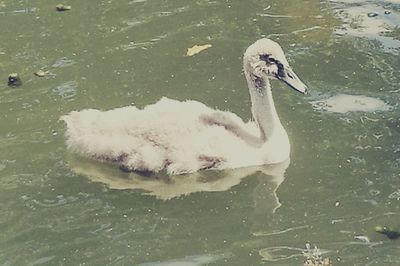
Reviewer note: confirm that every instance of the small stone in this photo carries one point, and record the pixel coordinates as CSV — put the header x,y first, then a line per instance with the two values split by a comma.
x,y
14,80
61,7
372,14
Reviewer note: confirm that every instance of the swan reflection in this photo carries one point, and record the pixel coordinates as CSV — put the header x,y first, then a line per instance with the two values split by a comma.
x,y
165,187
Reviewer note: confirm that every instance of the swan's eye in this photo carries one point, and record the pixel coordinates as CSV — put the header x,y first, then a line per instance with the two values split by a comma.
x,y
267,59
270,60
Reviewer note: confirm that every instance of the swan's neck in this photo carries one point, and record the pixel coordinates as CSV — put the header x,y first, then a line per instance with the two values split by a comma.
x,y
263,108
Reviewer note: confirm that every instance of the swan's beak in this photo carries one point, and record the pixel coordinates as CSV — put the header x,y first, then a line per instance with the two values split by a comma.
x,y
291,79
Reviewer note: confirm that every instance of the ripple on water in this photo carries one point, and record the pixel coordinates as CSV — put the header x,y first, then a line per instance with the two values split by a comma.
x,y
137,1
42,260
395,195
280,253
20,11
143,19
66,90
48,203
344,103
63,62
195,260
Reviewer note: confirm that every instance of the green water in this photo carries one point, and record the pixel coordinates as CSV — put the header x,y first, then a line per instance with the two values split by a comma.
x,y
342,181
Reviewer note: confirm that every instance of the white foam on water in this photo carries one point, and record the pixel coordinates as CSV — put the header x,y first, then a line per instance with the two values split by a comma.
x,y
343,103
380,26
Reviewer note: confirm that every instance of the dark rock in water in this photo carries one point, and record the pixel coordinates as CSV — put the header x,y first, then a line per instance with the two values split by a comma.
x,y
372,14
387,12
389,232
14,80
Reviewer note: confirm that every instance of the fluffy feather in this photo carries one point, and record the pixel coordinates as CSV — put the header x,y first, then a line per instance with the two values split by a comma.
x,y
169,134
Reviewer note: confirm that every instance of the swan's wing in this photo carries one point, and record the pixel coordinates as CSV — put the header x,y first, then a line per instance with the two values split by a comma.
x,y
232,123
146,139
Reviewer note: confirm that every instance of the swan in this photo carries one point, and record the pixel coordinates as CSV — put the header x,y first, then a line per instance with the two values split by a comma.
x,y
187,136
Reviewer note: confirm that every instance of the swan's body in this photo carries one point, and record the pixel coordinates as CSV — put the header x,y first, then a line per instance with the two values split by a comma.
x,y
183,137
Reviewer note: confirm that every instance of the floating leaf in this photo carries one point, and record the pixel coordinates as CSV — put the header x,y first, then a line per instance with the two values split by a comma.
x,y
197,49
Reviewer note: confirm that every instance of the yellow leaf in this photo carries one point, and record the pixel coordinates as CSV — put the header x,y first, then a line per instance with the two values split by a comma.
x,y
197,49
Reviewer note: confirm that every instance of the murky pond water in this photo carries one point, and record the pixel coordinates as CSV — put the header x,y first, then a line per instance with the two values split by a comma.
x,y
343,178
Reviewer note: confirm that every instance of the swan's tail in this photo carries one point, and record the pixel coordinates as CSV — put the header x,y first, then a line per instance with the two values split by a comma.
x,y
103,136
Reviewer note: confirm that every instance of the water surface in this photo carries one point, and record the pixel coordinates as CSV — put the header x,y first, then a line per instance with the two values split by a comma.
x,y
342,180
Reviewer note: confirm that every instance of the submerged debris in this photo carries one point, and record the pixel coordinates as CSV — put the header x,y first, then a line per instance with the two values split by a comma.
x,y
372,14
61,7
313,257
387,231
363,238
343,103
14,80
41,73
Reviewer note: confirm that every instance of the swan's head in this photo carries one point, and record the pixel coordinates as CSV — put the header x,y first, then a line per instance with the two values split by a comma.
x,y
265,60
